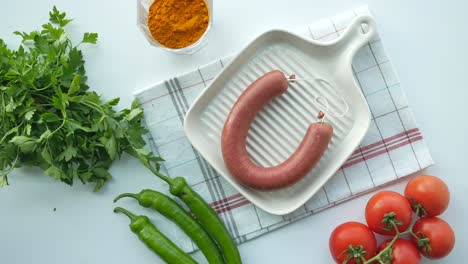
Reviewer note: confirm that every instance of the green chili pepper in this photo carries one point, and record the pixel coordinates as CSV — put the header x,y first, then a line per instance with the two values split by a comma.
x,y
202,211
155,240
172,210
207,217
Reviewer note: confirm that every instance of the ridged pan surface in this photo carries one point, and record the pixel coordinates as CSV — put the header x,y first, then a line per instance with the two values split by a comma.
x,y
323,71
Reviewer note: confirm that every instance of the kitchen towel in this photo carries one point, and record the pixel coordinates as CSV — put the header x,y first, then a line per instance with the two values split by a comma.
x,y
393,147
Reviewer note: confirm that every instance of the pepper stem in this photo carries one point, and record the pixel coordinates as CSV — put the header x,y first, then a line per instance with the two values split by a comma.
x,y
125,212
163,177
133,195
148,164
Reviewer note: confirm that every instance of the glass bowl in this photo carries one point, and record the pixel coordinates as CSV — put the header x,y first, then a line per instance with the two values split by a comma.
x,y
142,22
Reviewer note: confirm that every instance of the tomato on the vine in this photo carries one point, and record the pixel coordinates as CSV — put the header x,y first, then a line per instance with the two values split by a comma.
x,y
436,237
428,192
358,236
386,207
403,252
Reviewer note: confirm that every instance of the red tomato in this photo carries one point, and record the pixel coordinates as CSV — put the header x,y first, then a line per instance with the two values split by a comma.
x,y
403,252
352,234
440,234
430,192
385,203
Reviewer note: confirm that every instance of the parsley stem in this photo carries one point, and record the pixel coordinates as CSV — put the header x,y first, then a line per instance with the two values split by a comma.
x,y
46,98
3,108
40,89
58,128
4,173
6,134
9,132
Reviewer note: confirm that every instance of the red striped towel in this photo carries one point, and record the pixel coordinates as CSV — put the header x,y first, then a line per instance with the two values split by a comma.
x,y
393,148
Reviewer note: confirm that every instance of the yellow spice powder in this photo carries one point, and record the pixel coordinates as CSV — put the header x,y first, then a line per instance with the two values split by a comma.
x,y
178,23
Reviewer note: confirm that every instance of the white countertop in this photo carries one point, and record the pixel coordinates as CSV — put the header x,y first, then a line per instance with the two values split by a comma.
x,y
426,42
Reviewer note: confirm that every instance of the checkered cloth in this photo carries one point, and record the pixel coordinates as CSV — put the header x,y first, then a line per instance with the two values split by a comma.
x,y
393,147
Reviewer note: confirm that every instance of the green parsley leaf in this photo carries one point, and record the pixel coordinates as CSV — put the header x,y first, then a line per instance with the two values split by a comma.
x,y
113,102
29,115
50,119
55,173
45,135
26,144
75,85
110,145
135,104
134,113
19,140
67,154
85,176
11,106
28,129
90,38
58,18
46,155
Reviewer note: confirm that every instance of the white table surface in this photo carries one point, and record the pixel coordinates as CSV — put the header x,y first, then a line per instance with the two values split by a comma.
x,y
427,41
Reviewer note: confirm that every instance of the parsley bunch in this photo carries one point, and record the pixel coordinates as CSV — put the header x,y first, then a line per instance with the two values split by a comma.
x,y
50,119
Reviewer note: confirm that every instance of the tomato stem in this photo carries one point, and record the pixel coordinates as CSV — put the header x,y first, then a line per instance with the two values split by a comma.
x,y
419,209
391,221
356,253
410,228
389,247
423,242
413,234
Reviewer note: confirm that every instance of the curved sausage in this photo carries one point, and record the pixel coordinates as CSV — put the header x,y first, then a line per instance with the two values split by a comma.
x,y
234,139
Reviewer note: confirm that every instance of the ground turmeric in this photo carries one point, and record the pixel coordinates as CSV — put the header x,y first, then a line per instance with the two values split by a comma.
x,y
178,23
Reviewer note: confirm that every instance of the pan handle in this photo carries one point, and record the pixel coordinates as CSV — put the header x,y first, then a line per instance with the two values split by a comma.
x,y
359,32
